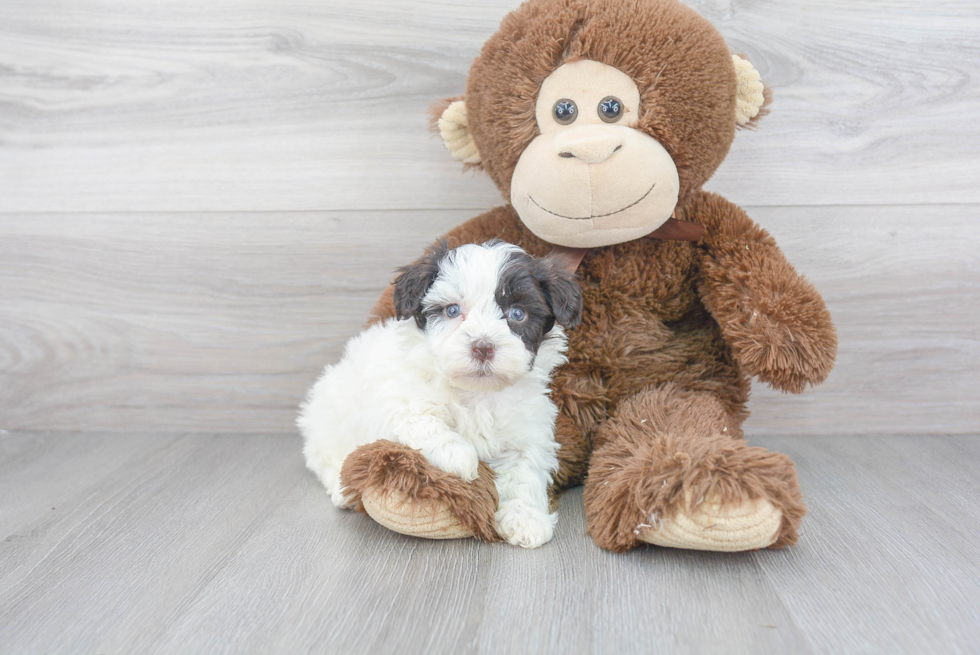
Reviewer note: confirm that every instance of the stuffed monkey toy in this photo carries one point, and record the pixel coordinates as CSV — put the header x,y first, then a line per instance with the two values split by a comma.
x,y
600,121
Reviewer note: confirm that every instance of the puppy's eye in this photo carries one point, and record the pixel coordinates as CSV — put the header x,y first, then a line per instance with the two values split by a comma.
x,y
516,314
610,109
453,311
565,111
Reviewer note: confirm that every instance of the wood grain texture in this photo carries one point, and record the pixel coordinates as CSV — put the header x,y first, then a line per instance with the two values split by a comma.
x,y
887,562
221,322
903,287
320,105
224,543
30,463
190,502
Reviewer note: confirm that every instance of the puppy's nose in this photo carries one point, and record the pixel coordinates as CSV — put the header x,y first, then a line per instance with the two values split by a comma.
x,y
482,351
593,144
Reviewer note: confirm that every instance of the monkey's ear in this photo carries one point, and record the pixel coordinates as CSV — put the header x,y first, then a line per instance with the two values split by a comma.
x,y
449,118
753,96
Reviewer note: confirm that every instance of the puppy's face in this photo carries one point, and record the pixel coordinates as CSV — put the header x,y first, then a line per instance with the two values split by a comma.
x,y
485,309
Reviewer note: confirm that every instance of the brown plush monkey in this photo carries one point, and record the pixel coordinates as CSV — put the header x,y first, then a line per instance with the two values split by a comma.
x,y
598,120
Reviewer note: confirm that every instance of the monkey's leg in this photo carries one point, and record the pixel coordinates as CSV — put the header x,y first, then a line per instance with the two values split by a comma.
x,y
398,487
671,468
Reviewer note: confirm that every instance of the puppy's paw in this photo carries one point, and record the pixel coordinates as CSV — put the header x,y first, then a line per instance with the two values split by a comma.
x,y
330,477
339,499
457,457
523,525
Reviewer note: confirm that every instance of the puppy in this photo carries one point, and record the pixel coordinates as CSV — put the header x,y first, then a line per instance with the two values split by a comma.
x,y
462,375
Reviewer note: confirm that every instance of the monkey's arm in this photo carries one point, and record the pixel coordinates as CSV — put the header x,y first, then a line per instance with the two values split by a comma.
x,y
773,318
498,223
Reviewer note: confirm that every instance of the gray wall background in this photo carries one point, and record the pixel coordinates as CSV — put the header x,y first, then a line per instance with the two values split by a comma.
x,y
199,202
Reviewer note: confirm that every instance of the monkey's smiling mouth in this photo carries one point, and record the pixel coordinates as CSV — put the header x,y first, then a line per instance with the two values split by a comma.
x,y
585,218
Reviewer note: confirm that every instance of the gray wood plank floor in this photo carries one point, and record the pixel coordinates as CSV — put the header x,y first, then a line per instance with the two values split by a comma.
x,y
125,543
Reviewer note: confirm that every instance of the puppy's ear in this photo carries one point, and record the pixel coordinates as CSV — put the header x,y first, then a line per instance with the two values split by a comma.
x,y
561,290
414,281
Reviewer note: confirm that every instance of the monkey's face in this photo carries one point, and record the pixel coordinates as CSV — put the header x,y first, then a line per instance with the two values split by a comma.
x,y
590,178
598,119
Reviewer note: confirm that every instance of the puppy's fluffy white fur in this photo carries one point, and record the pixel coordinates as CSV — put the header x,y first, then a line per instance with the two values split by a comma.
x,y
425,388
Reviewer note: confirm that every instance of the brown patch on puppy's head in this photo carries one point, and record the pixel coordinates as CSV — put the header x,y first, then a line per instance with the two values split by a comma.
x,y
543,294
414,281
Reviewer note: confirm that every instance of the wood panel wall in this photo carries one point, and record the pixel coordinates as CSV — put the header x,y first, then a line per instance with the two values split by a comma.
x,y
199,202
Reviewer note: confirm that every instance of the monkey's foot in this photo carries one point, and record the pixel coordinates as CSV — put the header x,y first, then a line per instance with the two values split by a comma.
x,y
683,483
398,488
713,525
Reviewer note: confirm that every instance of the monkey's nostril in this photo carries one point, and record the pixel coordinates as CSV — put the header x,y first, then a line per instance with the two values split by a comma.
x,y
566,155
618,148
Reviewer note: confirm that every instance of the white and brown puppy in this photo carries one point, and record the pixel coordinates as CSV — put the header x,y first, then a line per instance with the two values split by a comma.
x,y
462,375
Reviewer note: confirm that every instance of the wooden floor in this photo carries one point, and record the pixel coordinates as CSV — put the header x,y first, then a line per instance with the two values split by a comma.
x,y
142,543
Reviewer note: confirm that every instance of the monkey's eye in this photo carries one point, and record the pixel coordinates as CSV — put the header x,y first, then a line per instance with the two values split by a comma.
x,y
610,109
516,314
565,111
453,311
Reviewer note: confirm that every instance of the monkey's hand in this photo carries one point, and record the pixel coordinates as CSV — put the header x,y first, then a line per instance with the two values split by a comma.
x,y
773,318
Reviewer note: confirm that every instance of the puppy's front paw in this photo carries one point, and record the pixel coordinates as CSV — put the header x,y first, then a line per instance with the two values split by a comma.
x,y
339,499
459,458
523,525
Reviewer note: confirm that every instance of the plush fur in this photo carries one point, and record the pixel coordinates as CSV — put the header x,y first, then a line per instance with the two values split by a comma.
x,y
654,394
461,376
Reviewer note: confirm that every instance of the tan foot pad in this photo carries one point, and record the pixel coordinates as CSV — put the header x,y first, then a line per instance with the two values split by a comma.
x,y
711,526
405,517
